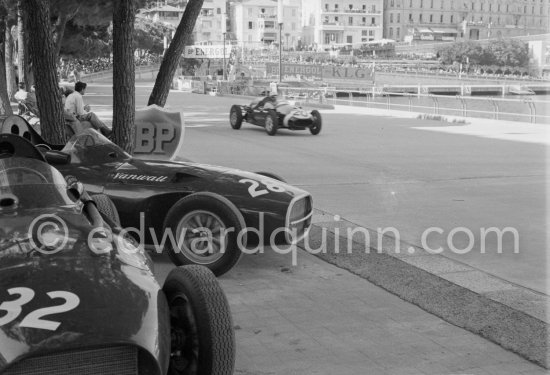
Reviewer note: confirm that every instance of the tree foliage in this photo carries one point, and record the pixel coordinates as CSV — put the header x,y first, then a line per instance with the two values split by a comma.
x,y
500,53
149,35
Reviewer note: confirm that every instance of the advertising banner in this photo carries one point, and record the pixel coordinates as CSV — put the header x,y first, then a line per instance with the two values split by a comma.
x,y
207,52
311,71
159,133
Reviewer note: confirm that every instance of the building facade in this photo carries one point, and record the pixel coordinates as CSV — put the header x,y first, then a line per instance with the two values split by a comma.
x,y
208,28
254,23
448,20
336,23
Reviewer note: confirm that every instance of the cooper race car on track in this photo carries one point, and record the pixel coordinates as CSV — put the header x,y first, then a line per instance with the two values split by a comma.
x,y
77,296
201,214
273,113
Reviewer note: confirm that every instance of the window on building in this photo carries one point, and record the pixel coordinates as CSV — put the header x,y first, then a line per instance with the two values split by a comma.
x,y
410,17
364,7
350,6
219,11
391,17
420,18
364,32
364,19
335,6
263,10
371,33
250,25
373,21
441,19
326,6
431,3
421,3
391,32
431,18
410,3
398,17
525,9
349,39
507,8
473,6
442,4
350,20
452,18
335,19
498,7
374,8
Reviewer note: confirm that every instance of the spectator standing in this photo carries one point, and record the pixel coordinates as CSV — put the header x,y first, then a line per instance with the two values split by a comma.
x,y
75,105
21,93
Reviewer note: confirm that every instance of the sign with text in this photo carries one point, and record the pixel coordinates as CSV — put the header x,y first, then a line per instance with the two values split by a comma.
x,y
159,133
311,71
207,52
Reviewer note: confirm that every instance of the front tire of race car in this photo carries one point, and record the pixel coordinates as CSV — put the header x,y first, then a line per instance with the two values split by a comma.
x,y
236,117
271,122
208,230
203,339
317,122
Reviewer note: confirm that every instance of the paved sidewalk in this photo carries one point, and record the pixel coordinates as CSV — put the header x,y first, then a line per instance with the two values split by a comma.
x,y
315,318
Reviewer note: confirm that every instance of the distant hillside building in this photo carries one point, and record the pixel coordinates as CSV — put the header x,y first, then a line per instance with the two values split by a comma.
x,y
208,27
448,20
254,23
336,23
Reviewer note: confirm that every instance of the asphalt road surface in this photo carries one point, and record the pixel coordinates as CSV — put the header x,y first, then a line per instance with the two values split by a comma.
x,y
388,172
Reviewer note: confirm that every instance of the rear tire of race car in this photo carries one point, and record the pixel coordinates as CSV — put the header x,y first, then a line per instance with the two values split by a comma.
x,y
271,122
200,219
203,339
107,208
317,122
236,117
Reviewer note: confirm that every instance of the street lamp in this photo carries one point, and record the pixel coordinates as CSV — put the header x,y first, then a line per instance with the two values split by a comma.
x,y
280,22
224,31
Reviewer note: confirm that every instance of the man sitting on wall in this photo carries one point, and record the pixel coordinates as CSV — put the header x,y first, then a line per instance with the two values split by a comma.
x,y
75,104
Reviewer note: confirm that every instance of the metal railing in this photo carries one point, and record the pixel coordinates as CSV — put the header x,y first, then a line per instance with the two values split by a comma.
x,y
525,109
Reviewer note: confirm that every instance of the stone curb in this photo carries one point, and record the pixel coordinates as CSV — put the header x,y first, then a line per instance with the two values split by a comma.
x,y
507,314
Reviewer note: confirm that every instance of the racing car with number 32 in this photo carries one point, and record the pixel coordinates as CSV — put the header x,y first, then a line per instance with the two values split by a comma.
x,y
274,113
200,214
77,296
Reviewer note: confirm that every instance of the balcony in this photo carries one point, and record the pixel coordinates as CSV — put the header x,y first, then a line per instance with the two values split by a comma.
x,y
352,11
267,16
333,26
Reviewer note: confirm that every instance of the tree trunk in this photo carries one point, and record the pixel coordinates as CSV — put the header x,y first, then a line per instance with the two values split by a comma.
x,y
172,56
5,106
41,50
8,59
124,77
22,58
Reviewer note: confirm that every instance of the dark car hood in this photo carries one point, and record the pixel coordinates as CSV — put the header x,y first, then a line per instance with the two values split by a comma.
x,y
117,298
229,180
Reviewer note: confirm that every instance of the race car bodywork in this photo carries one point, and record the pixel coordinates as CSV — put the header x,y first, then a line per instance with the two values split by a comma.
x,y
199,214
78,296
274,113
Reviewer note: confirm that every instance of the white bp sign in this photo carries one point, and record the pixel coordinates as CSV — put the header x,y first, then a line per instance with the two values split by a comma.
x,y
206,52
159,133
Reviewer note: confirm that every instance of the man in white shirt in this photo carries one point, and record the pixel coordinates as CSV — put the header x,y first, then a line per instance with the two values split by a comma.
x,y
21,94
75,104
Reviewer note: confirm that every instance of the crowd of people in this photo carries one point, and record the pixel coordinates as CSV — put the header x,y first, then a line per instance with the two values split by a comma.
x,y
74,70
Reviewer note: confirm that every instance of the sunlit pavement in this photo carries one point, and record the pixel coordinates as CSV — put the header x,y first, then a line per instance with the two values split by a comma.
x,y
377,172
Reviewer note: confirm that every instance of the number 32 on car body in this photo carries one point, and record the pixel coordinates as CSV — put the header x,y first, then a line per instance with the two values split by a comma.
x,y
34,319
256,190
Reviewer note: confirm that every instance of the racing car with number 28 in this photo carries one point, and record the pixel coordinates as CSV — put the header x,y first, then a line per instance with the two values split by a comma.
x,y
77,296
201,214
274,113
